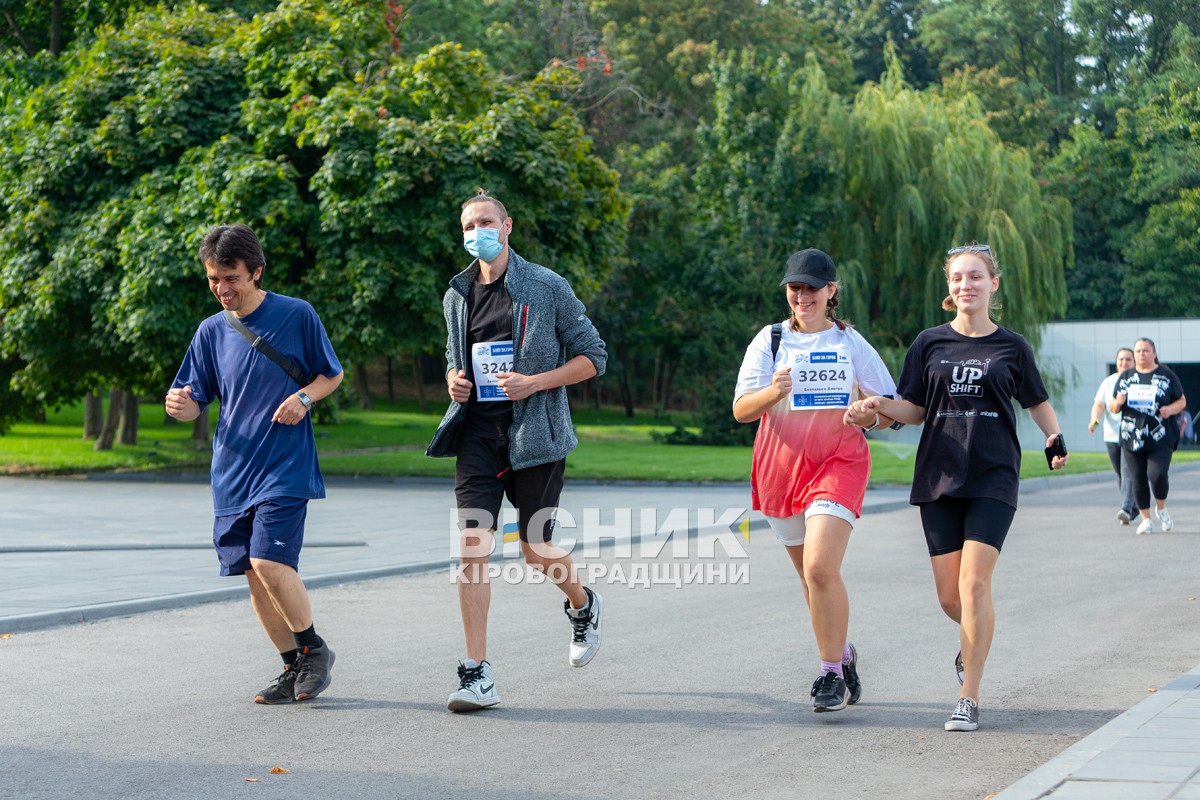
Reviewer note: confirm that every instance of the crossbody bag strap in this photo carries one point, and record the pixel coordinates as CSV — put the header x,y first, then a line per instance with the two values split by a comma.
x,y
285,363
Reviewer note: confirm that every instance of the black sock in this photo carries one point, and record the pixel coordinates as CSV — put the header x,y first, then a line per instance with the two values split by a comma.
x,y
308,638
289,657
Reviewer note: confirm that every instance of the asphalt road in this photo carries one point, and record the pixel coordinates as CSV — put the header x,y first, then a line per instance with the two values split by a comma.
x,y
700,690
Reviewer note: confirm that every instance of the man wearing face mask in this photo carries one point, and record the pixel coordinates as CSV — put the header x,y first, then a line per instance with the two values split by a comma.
x,y
517,337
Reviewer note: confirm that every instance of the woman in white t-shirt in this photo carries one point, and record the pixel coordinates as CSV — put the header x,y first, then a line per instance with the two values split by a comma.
x,y
1111,423
810,469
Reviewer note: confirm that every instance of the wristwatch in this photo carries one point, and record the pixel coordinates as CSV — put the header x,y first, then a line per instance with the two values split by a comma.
x,y
304,399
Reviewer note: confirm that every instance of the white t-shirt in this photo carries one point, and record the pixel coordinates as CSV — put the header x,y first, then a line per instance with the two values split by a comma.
x,y
870,374
1111,421
803,451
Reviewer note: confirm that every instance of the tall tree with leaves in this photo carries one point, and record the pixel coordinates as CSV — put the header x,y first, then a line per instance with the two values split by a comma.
x,y
348,159
921,175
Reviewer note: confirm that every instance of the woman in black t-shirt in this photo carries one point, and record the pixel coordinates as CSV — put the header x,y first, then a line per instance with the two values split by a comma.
x,y
1146,397
959,380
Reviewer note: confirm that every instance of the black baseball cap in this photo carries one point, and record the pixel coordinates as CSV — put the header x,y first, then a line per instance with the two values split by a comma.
x,y
812,266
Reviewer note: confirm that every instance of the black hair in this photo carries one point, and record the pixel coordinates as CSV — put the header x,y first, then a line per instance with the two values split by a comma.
x,y
227,245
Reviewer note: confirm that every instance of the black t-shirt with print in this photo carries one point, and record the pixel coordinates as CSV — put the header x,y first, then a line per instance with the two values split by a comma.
x,y
489,319
969,445
1146,429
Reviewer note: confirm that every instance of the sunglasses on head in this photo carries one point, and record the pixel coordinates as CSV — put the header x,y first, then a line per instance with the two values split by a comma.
x,y
969,248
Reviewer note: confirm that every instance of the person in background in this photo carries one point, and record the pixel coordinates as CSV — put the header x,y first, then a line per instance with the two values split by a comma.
x,y
1111,423
1147,396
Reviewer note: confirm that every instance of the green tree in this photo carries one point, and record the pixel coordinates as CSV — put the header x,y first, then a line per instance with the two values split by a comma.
x,y
923,174
1135,197
865,27
348,159
1127,42
1032,41
885,186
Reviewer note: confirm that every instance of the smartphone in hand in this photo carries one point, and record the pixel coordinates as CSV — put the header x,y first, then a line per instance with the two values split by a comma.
x,y
1058,448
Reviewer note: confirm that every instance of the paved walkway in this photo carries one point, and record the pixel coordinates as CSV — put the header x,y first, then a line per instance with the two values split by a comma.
x,y
85,550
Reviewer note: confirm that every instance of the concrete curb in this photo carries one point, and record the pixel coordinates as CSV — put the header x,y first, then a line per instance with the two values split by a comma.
x,y
1051,776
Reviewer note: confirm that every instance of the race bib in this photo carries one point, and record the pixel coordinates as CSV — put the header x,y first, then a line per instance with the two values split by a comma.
x,y
489,359
1142,397
821,379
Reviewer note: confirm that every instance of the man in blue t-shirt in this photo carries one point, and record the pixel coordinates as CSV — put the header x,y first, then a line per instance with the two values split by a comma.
x,y
264,466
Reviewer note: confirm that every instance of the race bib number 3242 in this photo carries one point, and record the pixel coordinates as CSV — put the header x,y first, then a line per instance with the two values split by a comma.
x,y
490,359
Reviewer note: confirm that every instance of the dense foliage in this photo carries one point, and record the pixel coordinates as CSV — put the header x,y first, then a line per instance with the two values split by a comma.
x,y
666,158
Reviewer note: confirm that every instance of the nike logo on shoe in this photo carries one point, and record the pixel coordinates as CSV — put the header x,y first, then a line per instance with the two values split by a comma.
x,y
486,689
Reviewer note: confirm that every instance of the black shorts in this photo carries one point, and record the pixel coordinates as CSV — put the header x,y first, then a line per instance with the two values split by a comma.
x,y
950,521
483,478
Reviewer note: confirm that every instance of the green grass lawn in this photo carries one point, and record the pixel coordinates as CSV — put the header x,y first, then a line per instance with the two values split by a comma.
x,y
390,441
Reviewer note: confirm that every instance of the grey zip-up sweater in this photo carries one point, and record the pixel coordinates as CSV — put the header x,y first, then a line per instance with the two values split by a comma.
x,y
549,327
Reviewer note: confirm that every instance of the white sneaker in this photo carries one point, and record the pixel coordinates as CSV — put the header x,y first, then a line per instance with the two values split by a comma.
x,y
1146,526
477,688
585,629
1164,519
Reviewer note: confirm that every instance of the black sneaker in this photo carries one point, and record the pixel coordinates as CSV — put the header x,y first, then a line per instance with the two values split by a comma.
x,y
959,668
283,690
850,671
829,692
312,671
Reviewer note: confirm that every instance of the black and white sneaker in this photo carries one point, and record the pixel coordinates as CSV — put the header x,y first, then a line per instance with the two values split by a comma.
x,y
476,687
850,671
585,629
829,692
965,716
959,668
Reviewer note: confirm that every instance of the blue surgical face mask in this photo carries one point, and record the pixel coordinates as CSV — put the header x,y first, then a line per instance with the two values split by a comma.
x,y
483,243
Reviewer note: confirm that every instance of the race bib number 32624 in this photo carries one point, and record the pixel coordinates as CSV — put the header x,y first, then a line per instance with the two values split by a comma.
x,y
821,380
490,359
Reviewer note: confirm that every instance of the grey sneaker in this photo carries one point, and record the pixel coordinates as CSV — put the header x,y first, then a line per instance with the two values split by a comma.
x,y
283,690
1164,519
476,687
585,629
829,693
313,667
965,716
850,671
1124,516
959,668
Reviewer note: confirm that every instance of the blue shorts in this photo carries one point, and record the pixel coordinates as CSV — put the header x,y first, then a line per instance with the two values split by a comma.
x,y
272,530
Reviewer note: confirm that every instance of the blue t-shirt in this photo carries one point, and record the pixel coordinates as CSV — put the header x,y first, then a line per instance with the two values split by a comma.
x,y
255,459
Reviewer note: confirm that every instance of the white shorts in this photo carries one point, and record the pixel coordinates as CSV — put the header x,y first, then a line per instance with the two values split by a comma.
x,y
790,530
